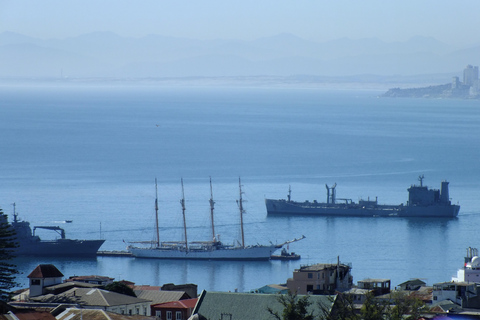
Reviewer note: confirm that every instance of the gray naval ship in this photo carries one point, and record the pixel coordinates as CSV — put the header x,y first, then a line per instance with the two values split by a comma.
x,y
422,202
31,245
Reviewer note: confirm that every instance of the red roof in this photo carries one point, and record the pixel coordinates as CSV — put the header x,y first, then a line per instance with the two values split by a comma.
x,y
45,271
185,304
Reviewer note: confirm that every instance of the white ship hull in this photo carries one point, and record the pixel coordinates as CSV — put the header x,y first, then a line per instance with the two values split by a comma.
x,y
224,253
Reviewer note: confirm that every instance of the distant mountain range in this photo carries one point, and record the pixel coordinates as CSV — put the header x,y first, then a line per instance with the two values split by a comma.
x,y
105,54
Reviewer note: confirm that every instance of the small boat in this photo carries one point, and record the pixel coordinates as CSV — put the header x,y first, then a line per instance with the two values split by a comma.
x,y
203,250
285,256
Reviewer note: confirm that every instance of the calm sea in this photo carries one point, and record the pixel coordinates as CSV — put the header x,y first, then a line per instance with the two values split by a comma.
x,y
91,154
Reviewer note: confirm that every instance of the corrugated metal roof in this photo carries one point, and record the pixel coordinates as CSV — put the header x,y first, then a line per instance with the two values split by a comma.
x,y
250,305
160,296
92,297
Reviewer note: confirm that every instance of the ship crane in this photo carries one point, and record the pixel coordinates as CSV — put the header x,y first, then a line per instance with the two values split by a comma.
x,y
331,197
290,241
59,230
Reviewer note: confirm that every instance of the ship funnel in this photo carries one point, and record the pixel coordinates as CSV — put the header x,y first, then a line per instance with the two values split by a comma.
x,y
445,198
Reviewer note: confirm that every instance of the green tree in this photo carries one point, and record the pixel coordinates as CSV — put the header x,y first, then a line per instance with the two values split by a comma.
x,y
294,307
7,269
343,308
405,307
372,309
120,287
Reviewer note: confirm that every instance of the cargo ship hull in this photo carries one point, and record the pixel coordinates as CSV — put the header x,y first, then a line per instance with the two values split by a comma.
x,y
422,202
60,247
284,207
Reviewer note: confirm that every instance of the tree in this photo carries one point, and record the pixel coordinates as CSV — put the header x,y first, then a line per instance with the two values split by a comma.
x,y
120,287
405,305
294,308
372,309
343,308
7,245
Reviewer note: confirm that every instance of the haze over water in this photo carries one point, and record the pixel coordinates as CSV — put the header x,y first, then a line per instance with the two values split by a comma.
x,y
91,154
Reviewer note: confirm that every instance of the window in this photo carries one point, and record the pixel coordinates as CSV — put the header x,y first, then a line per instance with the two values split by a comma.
x,y
310,275
169,315
35,282
158,314
178,315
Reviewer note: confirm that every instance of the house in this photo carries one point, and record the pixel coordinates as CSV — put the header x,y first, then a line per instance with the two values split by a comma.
x,y
232,305
189,288
174,310
94,298
321,279
464,294
100,280
357,295
413,284
272,289
376,286
424,294
42,276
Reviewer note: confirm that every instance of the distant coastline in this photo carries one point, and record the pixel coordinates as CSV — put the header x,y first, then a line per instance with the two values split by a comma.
x,y
468,89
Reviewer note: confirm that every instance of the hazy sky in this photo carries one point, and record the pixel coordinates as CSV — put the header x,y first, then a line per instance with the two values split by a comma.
x,y
455,22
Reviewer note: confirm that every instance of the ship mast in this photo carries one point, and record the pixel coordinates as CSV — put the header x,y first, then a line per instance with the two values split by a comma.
x,y
212,203
14,213
240,206
420,178
182,202
156,213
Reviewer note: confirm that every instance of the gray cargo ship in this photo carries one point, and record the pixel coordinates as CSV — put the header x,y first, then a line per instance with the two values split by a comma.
x,y
31,245
422,202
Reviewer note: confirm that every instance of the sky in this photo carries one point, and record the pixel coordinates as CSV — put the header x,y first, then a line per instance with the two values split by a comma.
x,y
453,22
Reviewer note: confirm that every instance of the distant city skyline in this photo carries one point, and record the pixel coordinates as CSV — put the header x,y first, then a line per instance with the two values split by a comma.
x,y
450,22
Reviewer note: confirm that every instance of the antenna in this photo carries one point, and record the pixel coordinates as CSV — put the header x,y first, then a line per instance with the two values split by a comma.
x,y
420,178
14,212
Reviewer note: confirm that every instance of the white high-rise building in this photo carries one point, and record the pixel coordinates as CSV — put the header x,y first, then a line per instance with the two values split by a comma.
x,y
470,75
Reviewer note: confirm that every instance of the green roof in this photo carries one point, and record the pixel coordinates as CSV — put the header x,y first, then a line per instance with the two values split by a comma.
x,y
241,306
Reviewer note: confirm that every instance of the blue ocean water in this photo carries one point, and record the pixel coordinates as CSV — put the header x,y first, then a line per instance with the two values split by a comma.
x,y
91,153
